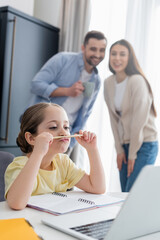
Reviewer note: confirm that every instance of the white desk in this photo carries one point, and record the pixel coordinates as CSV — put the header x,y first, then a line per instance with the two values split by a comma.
x,y
46,232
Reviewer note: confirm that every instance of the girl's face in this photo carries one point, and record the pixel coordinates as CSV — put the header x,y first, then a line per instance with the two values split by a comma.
x,y
56,123
119,58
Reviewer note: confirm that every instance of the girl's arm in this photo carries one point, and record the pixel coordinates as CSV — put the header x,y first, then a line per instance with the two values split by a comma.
x,y
22,187
95,181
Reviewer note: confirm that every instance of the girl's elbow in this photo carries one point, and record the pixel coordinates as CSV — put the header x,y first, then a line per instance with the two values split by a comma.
x,y
101,191
16,205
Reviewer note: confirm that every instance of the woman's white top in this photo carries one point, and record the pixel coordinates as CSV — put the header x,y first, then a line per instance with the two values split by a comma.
x,y
119,93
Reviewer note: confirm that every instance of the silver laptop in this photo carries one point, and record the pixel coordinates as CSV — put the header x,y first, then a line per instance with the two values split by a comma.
x,y
138,216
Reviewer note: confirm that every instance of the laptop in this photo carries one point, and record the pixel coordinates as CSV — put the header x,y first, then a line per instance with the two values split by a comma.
x,y
138,216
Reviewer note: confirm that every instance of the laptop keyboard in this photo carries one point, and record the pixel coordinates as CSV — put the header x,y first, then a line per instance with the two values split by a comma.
x,y
96,230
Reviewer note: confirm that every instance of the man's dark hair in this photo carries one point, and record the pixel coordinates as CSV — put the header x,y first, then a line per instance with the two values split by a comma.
x,y
94,34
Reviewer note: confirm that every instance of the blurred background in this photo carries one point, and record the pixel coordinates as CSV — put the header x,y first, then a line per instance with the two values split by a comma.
x,y
135,20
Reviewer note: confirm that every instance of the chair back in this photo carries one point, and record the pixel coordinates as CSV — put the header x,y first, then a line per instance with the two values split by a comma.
x,y
5,159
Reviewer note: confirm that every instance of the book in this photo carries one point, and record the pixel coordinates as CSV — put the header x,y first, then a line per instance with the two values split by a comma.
x,y
58,203
17,228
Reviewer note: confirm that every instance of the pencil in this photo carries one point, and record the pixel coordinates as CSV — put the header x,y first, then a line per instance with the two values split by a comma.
x,y
69,136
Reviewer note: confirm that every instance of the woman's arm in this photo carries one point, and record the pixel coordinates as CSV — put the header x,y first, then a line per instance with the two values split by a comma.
x,y
95,181
140,111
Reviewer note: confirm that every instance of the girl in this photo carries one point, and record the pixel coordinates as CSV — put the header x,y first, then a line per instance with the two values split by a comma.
x,y
45,168
129,98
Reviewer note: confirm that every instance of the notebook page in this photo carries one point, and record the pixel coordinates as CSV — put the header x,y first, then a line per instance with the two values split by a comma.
x,y
58,204
98,199
61,203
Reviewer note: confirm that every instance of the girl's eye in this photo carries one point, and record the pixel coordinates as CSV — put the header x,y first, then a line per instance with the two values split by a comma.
x,y
67,128
53,128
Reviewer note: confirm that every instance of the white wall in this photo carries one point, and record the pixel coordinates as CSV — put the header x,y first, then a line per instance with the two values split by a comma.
x,y
26,6
49,11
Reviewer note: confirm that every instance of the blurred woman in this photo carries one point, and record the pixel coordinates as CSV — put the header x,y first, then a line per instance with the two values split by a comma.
x,y
130,103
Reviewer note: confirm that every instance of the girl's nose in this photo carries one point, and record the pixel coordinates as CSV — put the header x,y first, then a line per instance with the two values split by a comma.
x,y
63,132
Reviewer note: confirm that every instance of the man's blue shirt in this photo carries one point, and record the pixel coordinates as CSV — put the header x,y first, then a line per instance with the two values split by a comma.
x,y
63,70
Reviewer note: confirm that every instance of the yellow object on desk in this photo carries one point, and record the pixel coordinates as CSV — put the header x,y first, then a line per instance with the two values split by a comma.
x,y
17,229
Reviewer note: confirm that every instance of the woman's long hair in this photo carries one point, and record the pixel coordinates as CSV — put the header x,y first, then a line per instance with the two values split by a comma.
x,y
133,66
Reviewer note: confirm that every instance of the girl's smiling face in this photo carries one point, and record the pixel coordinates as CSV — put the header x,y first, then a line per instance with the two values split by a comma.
x,y
56,123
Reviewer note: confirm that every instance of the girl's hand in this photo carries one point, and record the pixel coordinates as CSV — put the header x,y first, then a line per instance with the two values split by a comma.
x,y
121,157
42,142
88,140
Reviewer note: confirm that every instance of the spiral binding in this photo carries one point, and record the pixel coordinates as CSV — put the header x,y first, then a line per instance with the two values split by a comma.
x,y
59,194
80,199
86,201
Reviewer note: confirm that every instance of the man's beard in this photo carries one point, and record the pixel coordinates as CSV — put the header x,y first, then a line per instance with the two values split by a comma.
x,y
90,62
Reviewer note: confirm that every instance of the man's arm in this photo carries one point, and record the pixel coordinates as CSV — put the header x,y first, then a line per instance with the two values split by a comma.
x,y
75,90
45,81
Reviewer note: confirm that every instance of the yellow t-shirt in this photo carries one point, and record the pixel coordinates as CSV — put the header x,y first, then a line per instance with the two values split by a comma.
x,y
63,177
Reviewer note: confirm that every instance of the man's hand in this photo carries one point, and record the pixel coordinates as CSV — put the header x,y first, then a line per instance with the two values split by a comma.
x,y
76,89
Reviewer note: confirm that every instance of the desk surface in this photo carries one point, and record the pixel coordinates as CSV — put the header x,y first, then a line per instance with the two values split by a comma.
x,y
46,232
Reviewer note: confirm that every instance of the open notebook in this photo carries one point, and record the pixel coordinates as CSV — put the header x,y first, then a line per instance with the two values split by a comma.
x,y
139,215
72,201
